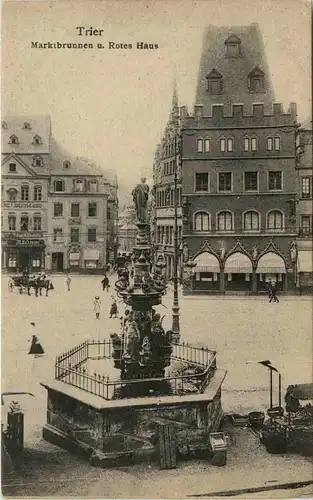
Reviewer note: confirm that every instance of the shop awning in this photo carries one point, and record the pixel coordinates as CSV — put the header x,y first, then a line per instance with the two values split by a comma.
x,y
206,263
238,263
305,261
91,254
74,256
271,263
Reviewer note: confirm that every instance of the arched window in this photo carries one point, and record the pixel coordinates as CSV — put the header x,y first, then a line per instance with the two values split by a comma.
x,y
37,193
25,193
230,144
225,221
93,186
223,144
13,139
4,125
207,145
277,143
12,222
24,222
12,194
78,185
246,143
58,186
202,221
254,144
251,221
66,164
37,222
26,126
199,145
270,143
275,220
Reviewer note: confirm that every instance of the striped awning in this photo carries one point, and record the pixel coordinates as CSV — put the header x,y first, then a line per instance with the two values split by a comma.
x,y
305,261
238,263
271,263
207,263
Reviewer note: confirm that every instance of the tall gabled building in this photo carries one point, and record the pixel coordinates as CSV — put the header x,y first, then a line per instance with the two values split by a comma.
x,y
167,160
238,164
55,207
24,191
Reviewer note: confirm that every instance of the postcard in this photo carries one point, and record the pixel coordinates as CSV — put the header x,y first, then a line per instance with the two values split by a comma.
x,y
156,249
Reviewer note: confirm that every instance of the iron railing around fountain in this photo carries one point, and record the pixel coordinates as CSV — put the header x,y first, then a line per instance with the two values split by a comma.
x,y
70,369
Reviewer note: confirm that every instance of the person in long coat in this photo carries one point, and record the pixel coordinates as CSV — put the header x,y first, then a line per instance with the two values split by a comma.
x,y
113,310
36,347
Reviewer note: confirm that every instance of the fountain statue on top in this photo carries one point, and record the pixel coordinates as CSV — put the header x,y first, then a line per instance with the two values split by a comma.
x,y
140,195
144,350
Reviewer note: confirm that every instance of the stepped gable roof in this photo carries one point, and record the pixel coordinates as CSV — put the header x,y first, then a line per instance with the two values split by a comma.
x,y
234,70
59,155
16,125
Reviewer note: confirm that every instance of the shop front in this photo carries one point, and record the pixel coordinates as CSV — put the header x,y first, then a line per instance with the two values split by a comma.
x,y
271,267
91,258
207,273
238,272
21,253
305,271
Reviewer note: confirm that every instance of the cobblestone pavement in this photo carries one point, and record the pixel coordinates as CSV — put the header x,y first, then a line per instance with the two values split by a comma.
x,y
241,329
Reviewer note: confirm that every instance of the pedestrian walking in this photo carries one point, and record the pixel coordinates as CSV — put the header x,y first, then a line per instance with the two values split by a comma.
x,y
113,310
68,282
36,348
269,288
97,307
105,283
273,293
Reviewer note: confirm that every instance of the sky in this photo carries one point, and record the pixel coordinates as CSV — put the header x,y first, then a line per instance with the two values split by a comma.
x,y
111,105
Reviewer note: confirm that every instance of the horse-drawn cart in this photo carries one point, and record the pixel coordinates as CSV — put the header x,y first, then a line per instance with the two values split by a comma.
x,y
25,283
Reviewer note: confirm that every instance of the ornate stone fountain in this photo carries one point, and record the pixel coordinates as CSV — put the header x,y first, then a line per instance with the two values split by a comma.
x,y
111,400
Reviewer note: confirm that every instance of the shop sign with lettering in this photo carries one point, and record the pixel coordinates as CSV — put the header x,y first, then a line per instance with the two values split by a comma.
x,y
17,204
27,242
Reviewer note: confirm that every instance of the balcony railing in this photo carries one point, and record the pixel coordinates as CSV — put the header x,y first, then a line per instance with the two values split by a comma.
x,y
70,368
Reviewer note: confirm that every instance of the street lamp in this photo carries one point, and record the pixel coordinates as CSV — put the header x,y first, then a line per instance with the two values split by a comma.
x,y
271,369
175,308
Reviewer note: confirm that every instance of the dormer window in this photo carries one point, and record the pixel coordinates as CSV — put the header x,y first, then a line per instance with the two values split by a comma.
x,y
37,161
4,125
233,47
26,126
256,80
37,140
66,164
13,139
215,82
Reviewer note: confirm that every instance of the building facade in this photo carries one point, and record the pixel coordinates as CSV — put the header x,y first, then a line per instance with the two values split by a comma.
x,y
237,166
167,165
239,221
304,208
54,205
24,197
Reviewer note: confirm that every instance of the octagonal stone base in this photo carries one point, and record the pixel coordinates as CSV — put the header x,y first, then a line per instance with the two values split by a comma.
x,y
117,432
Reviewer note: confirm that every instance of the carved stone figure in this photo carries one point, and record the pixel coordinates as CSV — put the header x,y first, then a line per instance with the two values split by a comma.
x,y
255,252
185,253
293,251
140,195
222,250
